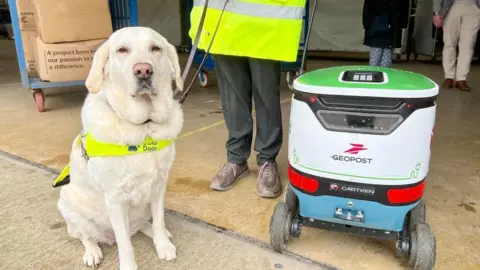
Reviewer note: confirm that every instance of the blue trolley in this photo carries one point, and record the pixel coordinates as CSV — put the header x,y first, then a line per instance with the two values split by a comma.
x,y
123,12
292,69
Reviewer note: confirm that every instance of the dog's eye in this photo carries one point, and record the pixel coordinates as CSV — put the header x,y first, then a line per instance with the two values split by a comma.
x,y
155,48
122,50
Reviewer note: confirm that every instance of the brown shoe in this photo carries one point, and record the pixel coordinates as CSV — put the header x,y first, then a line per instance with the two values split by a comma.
x,y
269,185
462,85
228,174
448,84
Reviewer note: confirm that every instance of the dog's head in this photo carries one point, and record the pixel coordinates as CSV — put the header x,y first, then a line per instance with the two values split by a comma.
x,y
138,60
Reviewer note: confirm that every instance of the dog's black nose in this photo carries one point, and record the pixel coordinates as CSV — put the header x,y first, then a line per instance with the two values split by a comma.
x,y
142,70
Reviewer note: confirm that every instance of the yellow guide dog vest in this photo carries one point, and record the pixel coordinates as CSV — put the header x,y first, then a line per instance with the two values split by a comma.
x,y
93,148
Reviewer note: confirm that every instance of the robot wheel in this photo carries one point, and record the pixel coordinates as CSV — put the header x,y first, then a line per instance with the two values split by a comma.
x,y
417,241
285,222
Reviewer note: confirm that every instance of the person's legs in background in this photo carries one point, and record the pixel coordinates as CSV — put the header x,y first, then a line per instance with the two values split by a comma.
x,y
470,23
451,32
235,84
386,60
375,56
269,137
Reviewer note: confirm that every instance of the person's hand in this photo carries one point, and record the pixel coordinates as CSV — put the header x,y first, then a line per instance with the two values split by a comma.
x,y
437,21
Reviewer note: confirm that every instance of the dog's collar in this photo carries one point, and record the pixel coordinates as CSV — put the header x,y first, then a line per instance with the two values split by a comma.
x,y
93,148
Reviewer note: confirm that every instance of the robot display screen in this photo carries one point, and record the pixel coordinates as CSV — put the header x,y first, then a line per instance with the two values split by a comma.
x,y
359,122
363,76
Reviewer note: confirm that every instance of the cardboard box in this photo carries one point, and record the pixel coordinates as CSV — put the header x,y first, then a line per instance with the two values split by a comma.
x,y
26,15
73,20
65,61
28,40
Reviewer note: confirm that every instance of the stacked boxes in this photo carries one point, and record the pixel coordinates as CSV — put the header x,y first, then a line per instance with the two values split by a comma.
x,y
26,11
65,35
69,32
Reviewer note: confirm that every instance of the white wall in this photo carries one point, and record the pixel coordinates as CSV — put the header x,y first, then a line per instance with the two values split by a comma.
x,y
338,26
163,16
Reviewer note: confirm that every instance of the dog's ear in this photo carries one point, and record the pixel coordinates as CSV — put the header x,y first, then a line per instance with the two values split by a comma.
x,y
173,57
95,76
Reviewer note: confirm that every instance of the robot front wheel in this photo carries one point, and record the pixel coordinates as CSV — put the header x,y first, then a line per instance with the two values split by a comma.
x,y
422,248
284,222
417,241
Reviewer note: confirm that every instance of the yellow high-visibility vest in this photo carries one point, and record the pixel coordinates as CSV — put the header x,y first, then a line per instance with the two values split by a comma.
x,y
264,29
95,148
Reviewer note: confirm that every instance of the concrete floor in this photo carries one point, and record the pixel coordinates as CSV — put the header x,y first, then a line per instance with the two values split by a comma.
x,y
451,195
39,240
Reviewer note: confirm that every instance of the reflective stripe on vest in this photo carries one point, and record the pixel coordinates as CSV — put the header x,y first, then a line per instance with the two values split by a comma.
x,y
255,9
242,33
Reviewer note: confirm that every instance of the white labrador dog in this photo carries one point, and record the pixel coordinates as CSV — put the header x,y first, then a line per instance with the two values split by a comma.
x,y
111,198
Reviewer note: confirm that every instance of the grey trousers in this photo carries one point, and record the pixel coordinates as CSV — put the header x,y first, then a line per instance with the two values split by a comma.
x,y
240,79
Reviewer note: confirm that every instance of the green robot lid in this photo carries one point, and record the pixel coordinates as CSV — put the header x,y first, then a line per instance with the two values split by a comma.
x,y
366,81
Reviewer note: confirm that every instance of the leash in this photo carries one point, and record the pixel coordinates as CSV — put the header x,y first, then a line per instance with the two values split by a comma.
x,y
194,51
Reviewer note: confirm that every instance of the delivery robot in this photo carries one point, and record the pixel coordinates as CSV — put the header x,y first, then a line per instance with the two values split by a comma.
x,y
359,153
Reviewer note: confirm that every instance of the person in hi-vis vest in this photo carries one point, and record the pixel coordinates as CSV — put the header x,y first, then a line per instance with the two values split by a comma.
x,y
254,36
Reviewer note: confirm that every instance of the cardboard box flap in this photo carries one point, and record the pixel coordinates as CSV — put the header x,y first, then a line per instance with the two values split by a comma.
x,y
72,20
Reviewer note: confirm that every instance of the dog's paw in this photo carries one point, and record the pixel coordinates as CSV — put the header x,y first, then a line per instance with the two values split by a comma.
x,y
166,251
93,256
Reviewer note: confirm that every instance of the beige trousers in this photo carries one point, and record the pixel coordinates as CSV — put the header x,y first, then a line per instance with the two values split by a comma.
x,y
460,27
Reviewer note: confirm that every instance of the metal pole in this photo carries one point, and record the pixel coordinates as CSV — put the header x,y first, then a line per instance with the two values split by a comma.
x,y
305,46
